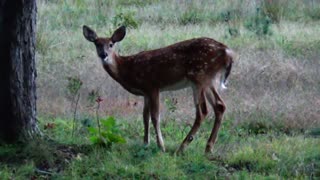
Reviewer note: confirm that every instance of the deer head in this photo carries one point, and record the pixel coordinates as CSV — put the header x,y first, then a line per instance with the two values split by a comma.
x,y
104,46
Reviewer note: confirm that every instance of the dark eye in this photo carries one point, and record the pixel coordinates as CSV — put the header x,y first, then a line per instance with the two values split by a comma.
x,y
110,45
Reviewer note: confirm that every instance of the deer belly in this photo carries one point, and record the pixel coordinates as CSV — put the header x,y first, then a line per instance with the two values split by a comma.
x,y
184,83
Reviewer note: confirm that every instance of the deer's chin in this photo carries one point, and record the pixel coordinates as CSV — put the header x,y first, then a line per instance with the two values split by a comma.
x,y
104,60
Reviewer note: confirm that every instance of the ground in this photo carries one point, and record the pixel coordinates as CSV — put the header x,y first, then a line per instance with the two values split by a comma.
x,y
272,122
241,152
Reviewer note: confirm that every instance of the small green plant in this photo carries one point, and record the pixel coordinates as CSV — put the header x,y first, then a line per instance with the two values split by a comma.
x,y
313,12
171,104
43,41
127,19
192,16
135,2
274,9
189,17
259,23
107,133
73,86
314,132
92,96
230,17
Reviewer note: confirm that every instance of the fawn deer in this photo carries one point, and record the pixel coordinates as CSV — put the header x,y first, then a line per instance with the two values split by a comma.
x,y
201,63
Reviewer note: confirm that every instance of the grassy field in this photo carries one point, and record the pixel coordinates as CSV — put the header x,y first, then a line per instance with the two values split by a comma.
x,y
276,72
271,127
241,153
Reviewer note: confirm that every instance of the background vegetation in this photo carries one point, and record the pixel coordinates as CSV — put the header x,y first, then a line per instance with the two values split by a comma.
x,y
271,127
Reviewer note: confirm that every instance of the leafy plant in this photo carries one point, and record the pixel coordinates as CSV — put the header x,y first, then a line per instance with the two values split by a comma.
x,y
314,132
194,16
135,2
73,86
259,23
313,12
107,134
92,96
127,19
171,104
43,41
274,9
189,17
107,131
230,17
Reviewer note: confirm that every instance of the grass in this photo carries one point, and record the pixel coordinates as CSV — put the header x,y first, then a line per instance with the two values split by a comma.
x,y
272,122
237,155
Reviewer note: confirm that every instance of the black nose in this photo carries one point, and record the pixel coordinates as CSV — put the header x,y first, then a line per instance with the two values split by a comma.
x,y
103,56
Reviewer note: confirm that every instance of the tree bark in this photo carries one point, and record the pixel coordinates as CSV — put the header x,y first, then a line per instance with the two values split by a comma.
x,y
17,69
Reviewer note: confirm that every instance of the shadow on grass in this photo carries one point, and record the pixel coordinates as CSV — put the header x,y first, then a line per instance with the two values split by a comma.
x,y
46,157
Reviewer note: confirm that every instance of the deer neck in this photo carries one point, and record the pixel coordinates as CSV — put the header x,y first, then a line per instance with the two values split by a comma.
x,y
115,67
111,65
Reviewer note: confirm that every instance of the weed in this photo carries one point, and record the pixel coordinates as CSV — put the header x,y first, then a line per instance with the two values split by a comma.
x,y
135,2
73,87
190,17
294,47
231,18
273,9
43,42
259,23
171,104
127,19
92,97
197,16
313,12
106,134
314,132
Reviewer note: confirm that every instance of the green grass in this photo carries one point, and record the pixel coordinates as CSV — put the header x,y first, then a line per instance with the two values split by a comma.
x,y
272,123
236,155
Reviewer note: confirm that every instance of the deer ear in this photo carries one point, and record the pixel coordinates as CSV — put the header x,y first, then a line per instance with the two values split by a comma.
x,y
119,34
89,34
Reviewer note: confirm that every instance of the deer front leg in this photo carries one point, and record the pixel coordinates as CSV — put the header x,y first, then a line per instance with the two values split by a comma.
x,y
154,107
219,109
201,113
146,119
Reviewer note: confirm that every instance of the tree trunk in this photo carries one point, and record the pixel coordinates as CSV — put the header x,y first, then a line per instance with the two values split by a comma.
x,y
17,69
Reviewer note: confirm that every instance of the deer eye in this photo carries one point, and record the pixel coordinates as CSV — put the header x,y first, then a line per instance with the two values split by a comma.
x,y
110,45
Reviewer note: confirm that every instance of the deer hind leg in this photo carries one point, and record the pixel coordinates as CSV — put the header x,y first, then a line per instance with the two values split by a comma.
x,y
201,113
146,120
154,108
219,109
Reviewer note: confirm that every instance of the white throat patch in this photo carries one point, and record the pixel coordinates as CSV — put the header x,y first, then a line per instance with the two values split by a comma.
x,y
108,60
104,61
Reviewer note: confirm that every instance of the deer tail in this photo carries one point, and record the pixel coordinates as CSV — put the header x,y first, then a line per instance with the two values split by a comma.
x,y
230,57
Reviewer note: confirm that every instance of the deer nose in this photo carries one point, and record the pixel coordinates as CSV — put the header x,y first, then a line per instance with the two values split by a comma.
x,y
103,56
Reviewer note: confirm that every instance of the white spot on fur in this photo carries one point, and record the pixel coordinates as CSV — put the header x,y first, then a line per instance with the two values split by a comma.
x,y
212,45
105,60
230,53
223,86
108,60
